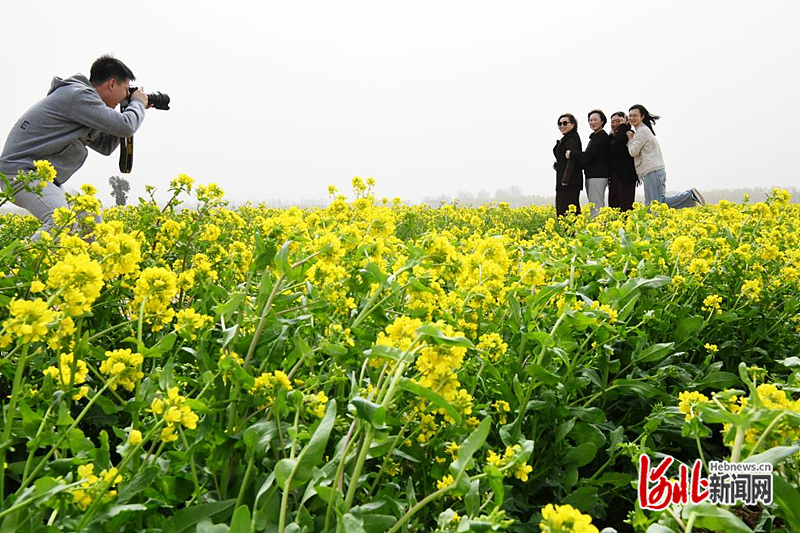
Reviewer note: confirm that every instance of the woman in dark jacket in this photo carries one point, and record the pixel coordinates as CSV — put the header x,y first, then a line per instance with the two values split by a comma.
x,y
622,188
569,176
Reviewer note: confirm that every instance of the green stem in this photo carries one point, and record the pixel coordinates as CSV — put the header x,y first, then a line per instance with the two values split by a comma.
x,y
738,442
38,432
764,435
288,485
9,415
247,473
63,436
406,517
362,457
262,320
191,461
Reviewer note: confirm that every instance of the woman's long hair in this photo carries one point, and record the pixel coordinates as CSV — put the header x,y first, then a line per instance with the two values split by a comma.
x,y
647,118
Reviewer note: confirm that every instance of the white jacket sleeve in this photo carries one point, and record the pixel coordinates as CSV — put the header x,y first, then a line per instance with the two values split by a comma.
x,y
640,138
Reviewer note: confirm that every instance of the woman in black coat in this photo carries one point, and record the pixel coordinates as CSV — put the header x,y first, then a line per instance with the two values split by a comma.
x,y
622,188
569,176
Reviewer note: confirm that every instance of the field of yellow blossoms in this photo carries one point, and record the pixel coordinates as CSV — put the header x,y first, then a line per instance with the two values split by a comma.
x,y
373,366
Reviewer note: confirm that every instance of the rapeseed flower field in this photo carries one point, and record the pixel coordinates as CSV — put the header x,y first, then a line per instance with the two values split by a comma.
x,y
374,366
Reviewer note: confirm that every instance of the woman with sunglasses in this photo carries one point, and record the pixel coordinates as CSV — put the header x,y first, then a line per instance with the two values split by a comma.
x,y
569,176
650,168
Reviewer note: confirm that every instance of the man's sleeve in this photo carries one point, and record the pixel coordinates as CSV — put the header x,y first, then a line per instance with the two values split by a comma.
x,y
105,144
90,111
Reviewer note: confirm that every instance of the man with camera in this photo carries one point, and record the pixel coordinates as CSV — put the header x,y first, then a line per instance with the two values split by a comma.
x,y
77,112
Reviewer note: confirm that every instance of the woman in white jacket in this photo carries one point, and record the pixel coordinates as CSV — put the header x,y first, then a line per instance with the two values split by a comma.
x,y
649,162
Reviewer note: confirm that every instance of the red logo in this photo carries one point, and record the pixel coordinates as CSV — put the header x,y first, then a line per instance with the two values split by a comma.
x,y
656,492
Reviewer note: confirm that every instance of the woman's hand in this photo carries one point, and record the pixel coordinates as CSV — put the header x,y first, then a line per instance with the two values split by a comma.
x,y
567,154
629,133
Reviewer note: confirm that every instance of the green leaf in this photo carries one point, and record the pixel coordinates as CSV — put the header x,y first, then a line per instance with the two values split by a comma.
x,y
584,499
688,327
717,380
163,346
658,528
207,526
118,509
430,331
544,294
472,501
263,255
787,497
368,411
352,524
468,448
282,261
496,483
377,523
715,518
183,521
230,306
300,470
429,395
259,436
389,352
137,484
580,455
654,353
774,455
539,373
241,520
639,387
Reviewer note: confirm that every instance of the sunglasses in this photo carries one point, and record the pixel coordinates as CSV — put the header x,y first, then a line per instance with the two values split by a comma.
x,y
564,124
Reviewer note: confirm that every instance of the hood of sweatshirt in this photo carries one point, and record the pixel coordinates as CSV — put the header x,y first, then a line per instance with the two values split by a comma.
x,y
77,79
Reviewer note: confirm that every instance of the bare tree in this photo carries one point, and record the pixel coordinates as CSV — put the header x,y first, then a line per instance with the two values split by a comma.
x,y
119,189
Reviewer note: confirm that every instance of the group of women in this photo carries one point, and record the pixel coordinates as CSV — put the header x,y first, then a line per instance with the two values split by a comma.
x,y
618,162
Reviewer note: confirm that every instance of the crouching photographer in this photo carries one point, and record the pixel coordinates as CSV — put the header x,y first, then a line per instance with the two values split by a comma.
x,y
77,112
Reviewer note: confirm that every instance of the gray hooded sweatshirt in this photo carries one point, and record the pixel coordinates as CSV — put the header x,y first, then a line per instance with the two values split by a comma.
x,y
59,128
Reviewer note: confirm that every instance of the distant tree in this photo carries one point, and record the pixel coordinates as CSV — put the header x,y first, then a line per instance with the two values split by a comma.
x,y
119,189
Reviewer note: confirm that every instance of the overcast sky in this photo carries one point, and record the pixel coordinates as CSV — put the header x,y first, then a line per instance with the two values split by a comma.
x,y
277,100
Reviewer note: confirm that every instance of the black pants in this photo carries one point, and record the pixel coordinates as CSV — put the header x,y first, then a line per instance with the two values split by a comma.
x,y
621,193
567,197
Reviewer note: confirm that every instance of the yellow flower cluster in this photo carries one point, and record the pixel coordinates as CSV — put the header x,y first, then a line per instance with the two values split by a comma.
x,y
92,483
502,461
492,345
438,367
174,411
78,280
189,323
64,377
121,252
45,170
712,302
689,400
27,322
565,519
268,384
155,289
123,367
315,403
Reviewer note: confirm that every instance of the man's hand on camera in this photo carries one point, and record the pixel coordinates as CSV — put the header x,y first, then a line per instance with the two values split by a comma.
x,y
141,96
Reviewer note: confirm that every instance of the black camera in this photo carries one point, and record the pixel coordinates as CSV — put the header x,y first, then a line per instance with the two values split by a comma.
x,y
157,100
